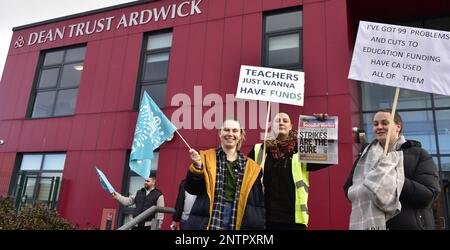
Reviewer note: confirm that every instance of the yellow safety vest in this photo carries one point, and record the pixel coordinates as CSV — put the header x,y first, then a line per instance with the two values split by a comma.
x,y
301,181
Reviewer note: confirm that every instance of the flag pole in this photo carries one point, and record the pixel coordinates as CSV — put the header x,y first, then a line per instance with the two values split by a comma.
x,y
265,137
391,121
182,138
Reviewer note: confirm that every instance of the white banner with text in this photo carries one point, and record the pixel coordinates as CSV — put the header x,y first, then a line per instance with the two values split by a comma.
x,y
404,57
273,85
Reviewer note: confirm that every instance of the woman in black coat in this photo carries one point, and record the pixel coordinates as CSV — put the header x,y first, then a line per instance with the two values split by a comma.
x,y
421,180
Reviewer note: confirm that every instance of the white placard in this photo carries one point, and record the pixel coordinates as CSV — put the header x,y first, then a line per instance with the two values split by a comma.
x,y
404,57
268,84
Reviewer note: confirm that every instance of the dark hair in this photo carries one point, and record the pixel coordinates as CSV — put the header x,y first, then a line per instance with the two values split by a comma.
x,y
397,118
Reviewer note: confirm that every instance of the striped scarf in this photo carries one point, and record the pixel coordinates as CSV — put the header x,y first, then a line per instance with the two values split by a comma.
x,y
219,191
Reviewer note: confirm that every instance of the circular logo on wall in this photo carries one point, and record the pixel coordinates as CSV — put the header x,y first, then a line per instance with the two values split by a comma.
x,y
19,42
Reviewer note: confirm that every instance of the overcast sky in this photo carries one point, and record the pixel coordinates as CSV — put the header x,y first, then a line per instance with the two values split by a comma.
x,y
20,12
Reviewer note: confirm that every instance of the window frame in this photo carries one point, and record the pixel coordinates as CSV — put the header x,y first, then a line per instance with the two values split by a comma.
x,y
143,58
267,35
17,170
40,68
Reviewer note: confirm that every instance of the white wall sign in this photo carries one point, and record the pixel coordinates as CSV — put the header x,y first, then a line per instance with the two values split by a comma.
x,y
404,57
274,85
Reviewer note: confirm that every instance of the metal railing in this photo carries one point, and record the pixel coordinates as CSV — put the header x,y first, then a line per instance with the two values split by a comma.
x,y
20,194
142,216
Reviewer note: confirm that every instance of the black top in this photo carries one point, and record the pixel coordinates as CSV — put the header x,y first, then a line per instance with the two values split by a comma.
x,y
419,191
144,201
179,205
279,190
279,187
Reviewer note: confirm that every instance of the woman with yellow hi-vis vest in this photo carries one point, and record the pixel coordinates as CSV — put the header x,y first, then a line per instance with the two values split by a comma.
x,y
286,180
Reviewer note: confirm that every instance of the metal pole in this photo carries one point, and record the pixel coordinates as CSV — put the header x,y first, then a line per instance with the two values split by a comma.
x,y
145,214
55,193
20,190
49,199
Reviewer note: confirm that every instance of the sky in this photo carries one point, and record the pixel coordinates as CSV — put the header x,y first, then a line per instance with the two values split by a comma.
x,y
20,12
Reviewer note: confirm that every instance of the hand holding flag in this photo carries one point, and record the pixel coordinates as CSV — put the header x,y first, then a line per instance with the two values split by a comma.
x,y
104,181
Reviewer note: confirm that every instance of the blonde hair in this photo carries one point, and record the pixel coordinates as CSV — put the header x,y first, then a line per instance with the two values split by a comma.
x,y
239,144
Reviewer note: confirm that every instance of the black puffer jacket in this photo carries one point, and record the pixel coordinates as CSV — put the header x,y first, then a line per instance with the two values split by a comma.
x,y
420,189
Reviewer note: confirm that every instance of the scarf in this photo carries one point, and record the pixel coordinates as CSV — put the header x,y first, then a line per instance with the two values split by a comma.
x,y
281,148
219,190
377,184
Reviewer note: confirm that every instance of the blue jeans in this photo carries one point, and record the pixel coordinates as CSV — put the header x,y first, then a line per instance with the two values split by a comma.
x,y
227,213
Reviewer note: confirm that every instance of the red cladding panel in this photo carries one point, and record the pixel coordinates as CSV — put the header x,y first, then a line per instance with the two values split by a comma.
x,y
271,4
100,80
319,199
232,48
251,39
314,49
234,8
22,97
77,130
127,85
336,105
7,161
124,130
207,51
216,9
252,6
178,62
106,131
115,72
340,214
12,140
196,57
338,56
213,56
90,135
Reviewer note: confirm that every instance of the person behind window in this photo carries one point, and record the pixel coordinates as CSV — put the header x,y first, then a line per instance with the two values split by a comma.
x,y
145,198
183,207
394,191
286,180
227,184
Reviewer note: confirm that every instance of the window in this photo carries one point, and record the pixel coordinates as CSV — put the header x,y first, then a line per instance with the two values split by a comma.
x,y
445,161
58,79
131,183
283,39
38,178
155,67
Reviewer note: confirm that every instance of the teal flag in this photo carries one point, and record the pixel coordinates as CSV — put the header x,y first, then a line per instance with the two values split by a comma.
x,y
152,129
105,183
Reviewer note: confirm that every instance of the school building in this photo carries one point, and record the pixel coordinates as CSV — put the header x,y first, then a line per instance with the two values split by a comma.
x,y
71,87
